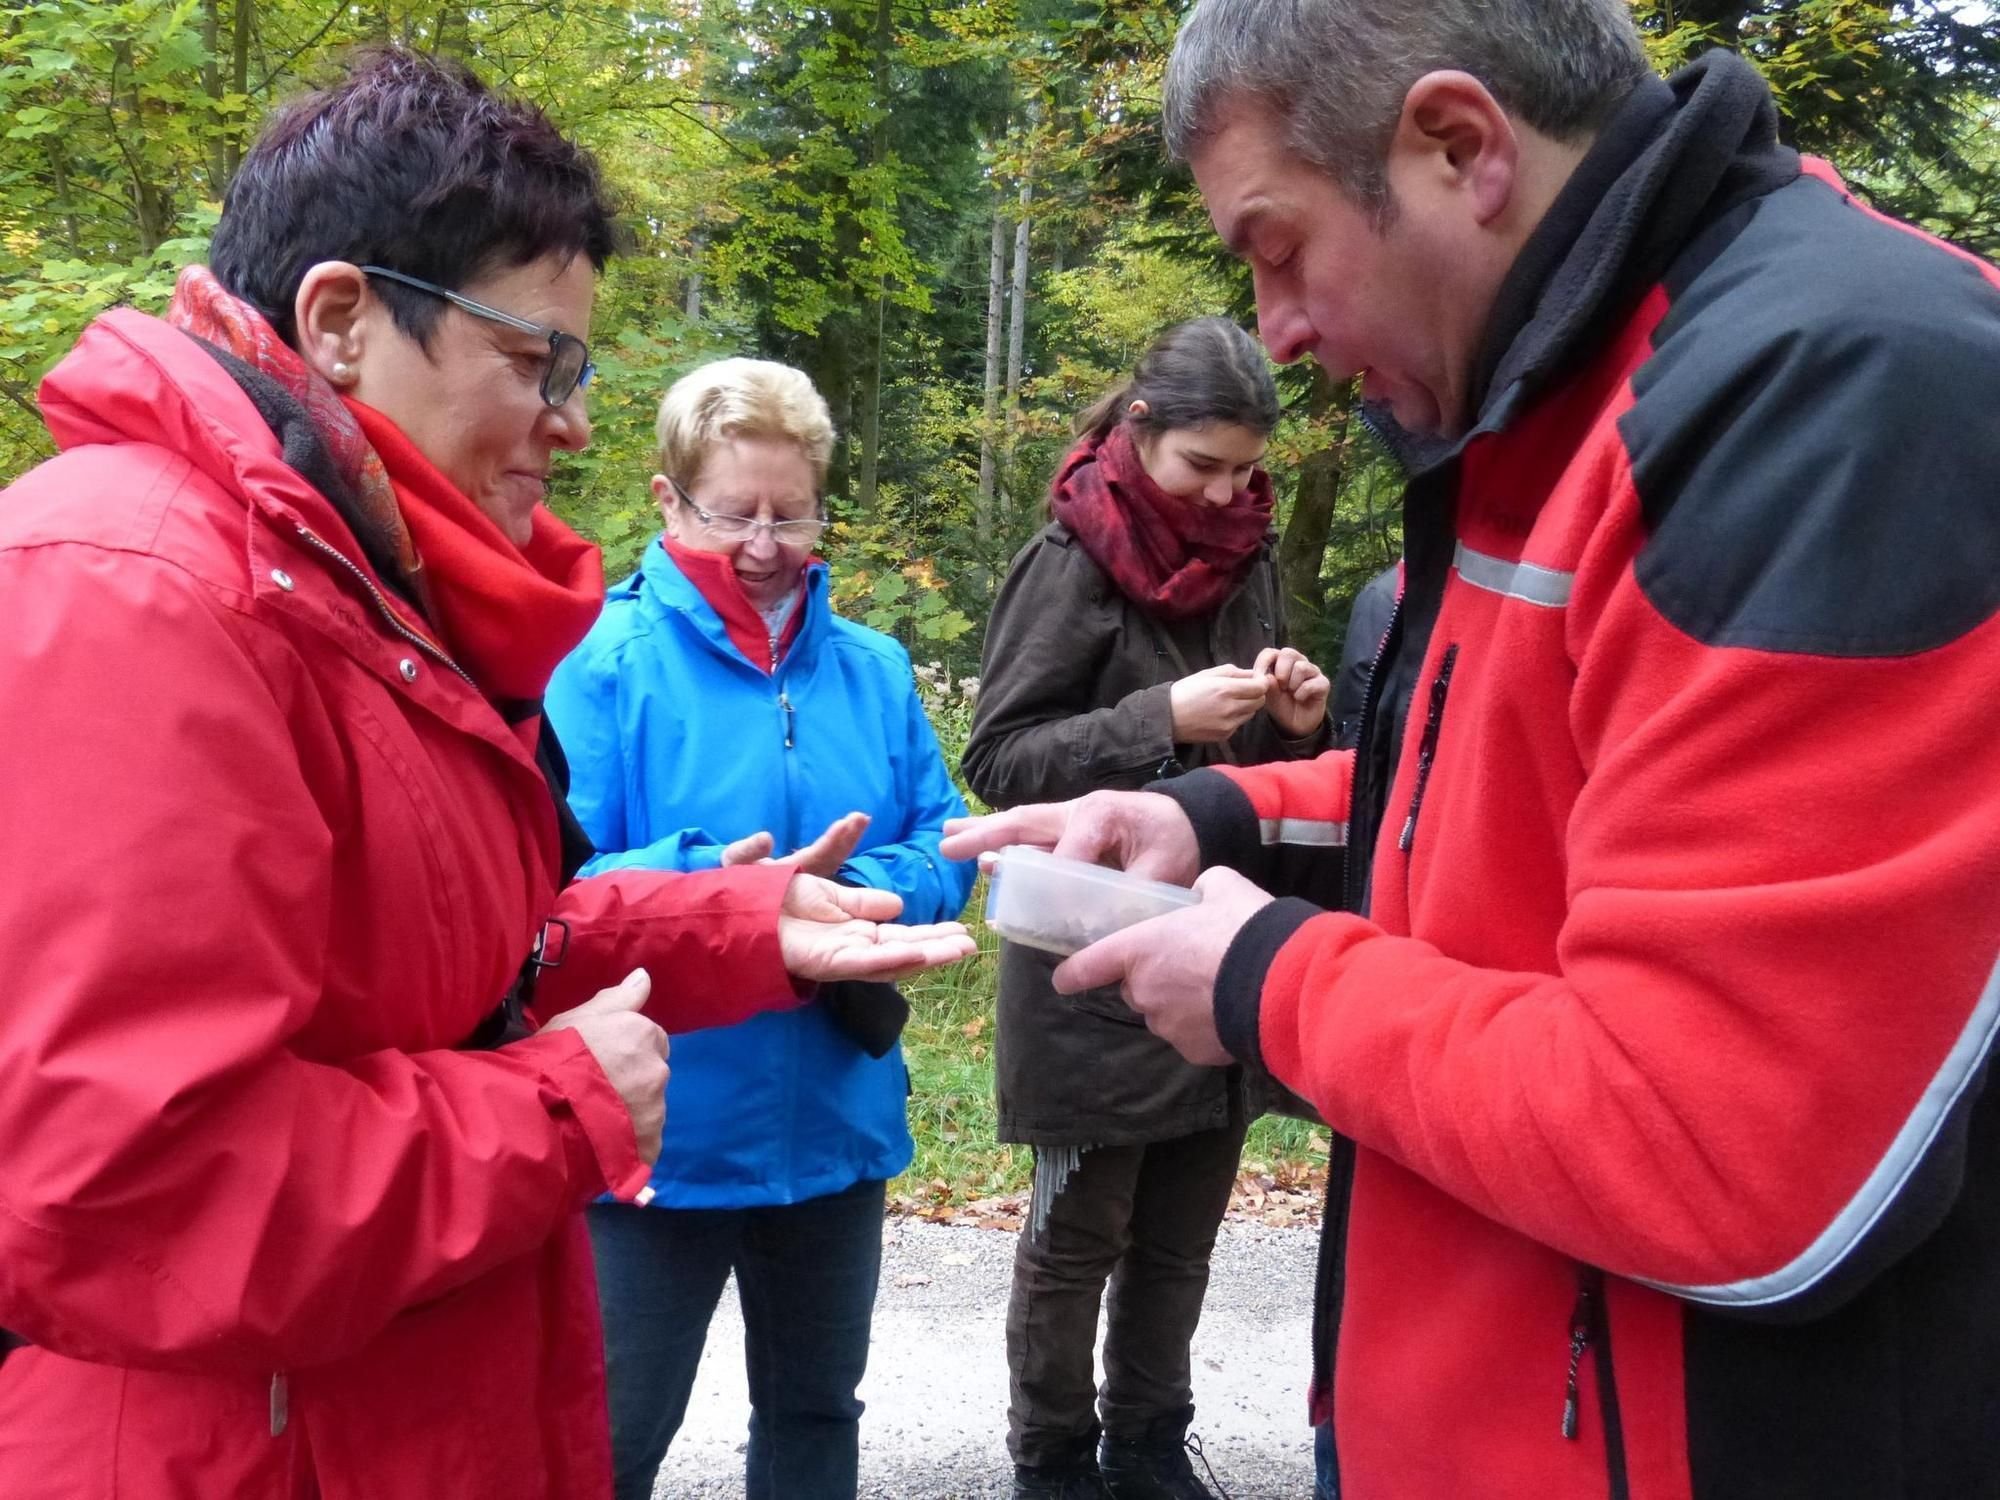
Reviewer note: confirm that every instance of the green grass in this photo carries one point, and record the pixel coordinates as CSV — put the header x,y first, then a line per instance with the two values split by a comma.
x,y
949,1046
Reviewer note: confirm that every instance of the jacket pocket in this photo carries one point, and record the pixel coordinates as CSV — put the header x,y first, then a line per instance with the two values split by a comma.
x,y
1106,1004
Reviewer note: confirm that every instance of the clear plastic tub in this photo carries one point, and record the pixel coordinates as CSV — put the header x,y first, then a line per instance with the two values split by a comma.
x,y
1064,905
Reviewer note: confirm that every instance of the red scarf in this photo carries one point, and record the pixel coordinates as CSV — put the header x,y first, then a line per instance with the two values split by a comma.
x,y
507,613
714,578
1176,559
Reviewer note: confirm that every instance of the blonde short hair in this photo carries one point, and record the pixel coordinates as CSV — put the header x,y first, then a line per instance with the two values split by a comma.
x,y
737,398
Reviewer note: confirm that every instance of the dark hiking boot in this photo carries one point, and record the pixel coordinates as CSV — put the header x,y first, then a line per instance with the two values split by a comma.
x,y
1154,1464
1076,1481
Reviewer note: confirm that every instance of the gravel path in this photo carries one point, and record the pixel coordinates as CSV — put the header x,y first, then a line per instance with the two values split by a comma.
x,y
936,1388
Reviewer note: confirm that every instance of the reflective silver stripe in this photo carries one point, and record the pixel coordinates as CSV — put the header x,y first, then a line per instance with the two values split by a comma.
x,y
1526,581
1317,832
1851,1226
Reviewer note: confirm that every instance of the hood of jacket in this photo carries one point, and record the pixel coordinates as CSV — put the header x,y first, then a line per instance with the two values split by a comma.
x,y
132,378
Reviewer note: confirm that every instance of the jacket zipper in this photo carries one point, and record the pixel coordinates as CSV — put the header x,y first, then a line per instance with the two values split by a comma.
x,y
1580,1320
1427,747
784,699
421,642
1590,1329
1360,846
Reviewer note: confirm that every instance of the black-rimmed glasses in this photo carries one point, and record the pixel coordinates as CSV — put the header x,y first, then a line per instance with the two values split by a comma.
x,y
801,532
568,368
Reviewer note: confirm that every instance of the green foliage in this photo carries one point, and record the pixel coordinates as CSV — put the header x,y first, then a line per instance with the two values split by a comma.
x,y
820,185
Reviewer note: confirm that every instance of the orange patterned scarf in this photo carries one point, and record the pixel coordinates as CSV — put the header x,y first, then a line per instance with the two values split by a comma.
x,y
205,308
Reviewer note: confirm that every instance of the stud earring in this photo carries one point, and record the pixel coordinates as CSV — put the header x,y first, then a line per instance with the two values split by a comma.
x,y
342,372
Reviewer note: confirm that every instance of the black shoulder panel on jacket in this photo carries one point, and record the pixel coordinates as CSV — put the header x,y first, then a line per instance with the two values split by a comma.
x,y
1816,436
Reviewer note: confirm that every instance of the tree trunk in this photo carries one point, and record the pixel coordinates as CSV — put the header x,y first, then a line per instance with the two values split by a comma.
x,y
870,395
239,61
834,374
869,398
446,18
211,84
1017,327
59,172
152,210
996,285
1302,548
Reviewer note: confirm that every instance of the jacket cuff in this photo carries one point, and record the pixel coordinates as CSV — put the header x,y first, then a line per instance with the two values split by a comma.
x,y
1225,823
608,1152
1239,983
1307,746
1153,746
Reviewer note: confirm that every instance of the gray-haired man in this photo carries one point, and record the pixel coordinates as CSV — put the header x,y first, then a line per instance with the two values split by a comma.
x,y
1648,978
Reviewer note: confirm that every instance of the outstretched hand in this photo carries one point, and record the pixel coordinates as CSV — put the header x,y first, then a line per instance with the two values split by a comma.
x,y
1142,832
1166,967
828,931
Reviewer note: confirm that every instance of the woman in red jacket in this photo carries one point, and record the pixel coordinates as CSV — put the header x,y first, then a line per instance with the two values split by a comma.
x,y
289,1204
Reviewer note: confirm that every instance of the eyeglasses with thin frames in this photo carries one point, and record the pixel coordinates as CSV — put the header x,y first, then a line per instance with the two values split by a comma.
x,y
567,369
800,532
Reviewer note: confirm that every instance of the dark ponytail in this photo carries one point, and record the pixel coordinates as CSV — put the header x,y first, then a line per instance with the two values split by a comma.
x,y
1195,373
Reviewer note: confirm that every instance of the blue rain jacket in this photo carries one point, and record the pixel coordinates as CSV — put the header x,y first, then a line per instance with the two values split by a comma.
x,y
678,745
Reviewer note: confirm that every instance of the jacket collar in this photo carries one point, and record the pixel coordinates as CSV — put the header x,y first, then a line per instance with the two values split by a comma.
x,y
1674,156
662,584
133,378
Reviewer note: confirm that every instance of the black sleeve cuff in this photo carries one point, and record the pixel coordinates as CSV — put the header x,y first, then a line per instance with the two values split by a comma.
x,y
1225,824
1239,984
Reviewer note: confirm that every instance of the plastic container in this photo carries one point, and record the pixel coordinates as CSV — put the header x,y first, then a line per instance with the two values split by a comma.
x,y
1064,905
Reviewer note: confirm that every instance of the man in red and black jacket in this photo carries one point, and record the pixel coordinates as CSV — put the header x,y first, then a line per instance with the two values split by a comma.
x,y
1644,963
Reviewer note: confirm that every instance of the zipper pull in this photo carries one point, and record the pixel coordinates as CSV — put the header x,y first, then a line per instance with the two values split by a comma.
x,y
785,703
1579,1340
281,1405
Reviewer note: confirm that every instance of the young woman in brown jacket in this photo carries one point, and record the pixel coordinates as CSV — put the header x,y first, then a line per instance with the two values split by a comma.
x,y
1138,635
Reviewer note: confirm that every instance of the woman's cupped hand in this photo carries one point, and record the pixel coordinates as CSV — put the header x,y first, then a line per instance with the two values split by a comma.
x,y
828,931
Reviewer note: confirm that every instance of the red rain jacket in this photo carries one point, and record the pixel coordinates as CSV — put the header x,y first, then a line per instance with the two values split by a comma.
x,y
266,863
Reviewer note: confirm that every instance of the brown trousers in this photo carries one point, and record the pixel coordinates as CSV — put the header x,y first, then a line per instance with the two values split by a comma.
x,y
1143,1218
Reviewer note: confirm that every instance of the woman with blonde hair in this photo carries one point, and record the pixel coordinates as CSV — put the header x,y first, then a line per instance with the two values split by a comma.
x,y
720,713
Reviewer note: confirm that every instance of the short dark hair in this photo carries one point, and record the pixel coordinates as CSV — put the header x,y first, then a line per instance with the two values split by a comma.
x,y
408,162
1208,370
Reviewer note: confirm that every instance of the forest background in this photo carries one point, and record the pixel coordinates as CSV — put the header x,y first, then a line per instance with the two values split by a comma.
x,y
957,218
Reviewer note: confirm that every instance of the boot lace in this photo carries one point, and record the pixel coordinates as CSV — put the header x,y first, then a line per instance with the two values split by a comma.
x,y
1192,1442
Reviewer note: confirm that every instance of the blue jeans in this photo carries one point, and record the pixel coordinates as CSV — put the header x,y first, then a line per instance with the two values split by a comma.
x,y
1326,1468
806,1274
